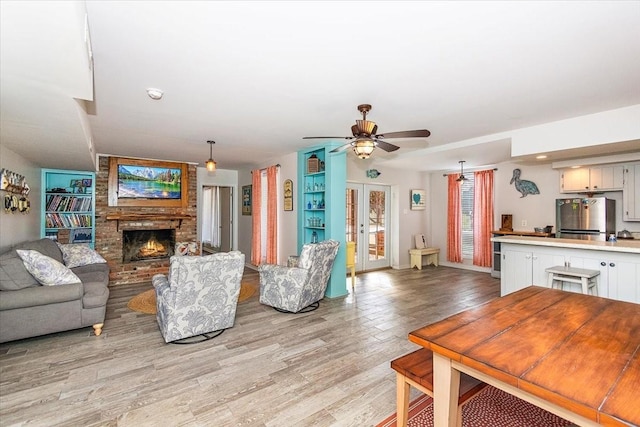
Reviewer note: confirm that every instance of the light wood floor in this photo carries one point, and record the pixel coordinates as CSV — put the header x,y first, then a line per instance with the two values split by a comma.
x,y
326,368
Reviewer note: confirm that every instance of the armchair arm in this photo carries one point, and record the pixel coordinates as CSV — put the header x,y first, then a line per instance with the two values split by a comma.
x,y
271,274
165,296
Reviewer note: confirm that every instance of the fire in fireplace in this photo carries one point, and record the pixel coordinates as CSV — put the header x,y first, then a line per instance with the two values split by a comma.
x,y
140,245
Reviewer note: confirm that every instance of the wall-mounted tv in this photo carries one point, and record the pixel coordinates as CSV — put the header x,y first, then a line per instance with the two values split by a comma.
x,y
134,182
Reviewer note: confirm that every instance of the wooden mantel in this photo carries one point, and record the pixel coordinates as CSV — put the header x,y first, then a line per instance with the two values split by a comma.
x,y
160,216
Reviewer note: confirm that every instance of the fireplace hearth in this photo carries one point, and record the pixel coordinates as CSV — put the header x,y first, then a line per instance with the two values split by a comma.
x,y
142,245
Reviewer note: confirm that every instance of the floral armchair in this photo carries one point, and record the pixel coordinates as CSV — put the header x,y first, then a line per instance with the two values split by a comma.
x,y
199,296
299,289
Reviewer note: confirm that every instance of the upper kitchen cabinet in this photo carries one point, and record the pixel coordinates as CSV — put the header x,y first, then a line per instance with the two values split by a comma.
x,y
630,196
594,178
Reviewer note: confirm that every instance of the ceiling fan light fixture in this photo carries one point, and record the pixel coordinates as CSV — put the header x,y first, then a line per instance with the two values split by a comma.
x,y
211,164
363,148
366,127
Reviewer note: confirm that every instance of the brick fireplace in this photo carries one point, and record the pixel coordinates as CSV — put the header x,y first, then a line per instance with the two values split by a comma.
x,y
112,223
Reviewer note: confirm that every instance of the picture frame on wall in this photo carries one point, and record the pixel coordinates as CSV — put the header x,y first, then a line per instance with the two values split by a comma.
x,y
288,195
246,200
418,200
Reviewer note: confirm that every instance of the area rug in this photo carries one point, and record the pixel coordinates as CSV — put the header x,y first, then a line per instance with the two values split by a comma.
x,y
145,302
490,407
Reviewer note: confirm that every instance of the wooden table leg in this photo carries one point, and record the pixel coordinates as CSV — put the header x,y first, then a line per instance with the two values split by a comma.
x,y
446,387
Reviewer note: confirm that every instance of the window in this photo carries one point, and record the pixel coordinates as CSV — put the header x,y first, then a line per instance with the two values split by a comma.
x,y
466,211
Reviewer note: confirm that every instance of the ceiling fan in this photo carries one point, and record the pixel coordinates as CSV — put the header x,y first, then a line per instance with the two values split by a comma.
x,y
365,139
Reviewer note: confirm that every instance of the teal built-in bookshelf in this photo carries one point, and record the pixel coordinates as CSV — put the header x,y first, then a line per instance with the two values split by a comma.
x,y
68,206
322,178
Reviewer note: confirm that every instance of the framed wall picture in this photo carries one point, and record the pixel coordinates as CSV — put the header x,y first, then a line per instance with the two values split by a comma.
x,y
288,195
246,200
418,200
149,183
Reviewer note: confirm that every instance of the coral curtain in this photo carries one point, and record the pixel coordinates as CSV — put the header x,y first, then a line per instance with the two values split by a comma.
x,y
272,215
454,220
482,217
256,210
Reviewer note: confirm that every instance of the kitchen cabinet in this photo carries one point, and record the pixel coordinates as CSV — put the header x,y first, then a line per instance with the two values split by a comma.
x,y
630,192
594,178
524,266
619,273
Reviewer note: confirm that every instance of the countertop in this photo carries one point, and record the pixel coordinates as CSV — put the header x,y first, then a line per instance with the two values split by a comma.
x,y
625,246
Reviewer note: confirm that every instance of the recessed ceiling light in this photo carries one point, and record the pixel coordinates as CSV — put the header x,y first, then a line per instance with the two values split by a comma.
x,y
154,93
540,157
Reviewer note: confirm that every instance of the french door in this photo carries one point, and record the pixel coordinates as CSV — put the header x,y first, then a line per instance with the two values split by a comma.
x,y
368,224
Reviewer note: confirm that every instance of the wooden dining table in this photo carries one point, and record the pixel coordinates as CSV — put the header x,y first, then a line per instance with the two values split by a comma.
x,y
575,355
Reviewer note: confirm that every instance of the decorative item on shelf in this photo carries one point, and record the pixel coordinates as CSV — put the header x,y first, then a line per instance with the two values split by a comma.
x,y
321,165
211,164
309,204
77,186
522,185
314,237
313,164
507,222
418,202
288,195
246,200
373,173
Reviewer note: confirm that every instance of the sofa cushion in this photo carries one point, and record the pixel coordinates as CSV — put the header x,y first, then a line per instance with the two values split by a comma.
x,y
46,270
80,254
13,274
45,246
40,296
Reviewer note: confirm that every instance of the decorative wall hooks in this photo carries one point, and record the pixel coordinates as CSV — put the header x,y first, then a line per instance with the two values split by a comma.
x,y
12,182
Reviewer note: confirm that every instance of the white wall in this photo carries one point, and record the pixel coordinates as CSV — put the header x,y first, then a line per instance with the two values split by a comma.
x,y
405,222
287,221
16,227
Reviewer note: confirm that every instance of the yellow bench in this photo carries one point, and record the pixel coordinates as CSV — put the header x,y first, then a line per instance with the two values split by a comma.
x,y
417,254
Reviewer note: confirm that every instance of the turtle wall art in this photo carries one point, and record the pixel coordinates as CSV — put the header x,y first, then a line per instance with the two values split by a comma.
x,y
522,185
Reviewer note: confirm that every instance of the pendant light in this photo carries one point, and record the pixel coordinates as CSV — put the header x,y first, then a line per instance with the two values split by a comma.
x,y
211,164
461,178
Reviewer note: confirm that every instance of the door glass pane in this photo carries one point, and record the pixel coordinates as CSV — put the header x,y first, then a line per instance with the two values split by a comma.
x,y
352,216
376,224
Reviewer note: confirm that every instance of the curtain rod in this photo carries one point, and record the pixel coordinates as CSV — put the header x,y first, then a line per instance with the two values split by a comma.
x,y
264,169
476,170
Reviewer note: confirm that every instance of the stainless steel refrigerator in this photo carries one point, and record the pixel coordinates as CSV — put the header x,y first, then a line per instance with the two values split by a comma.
x,y
585,218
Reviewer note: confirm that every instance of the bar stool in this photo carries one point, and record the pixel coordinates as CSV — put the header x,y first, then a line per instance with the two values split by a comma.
x,y
560,274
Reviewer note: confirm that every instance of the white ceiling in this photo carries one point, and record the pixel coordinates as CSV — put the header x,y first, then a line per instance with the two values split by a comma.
x,y
258,76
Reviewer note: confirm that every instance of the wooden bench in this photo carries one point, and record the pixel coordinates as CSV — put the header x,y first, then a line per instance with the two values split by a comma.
x,y
416,369
417,254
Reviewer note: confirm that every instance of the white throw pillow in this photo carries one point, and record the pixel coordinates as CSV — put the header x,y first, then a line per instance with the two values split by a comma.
x,y
79,254
46,270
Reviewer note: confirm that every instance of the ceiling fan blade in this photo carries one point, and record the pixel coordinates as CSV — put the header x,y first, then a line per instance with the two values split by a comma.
x,y
421,133
341,148
386,146
327,137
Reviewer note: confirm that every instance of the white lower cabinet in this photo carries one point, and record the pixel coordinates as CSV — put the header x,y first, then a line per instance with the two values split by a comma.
x,y
619,273
524,266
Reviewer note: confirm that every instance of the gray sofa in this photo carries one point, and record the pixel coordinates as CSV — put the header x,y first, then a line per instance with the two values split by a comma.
x,y
28,309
